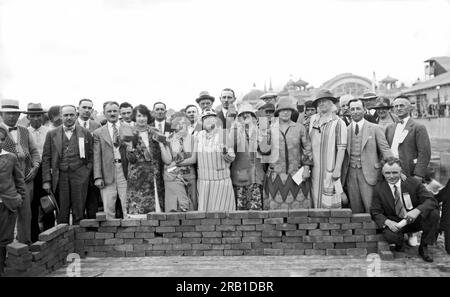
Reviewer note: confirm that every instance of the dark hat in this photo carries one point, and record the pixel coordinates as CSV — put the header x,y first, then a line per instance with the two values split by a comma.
x,y
382,102
267,106
204,95
49,204
324,94
368,95
309,103
35,108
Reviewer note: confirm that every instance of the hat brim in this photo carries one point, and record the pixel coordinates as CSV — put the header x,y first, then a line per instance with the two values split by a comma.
x,y
332,99
11,110
368,98
381,107
285,108
35,112
205,98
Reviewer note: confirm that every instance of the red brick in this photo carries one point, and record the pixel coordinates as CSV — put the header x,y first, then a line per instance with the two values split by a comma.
x,y
282,245
274,252
205,228
226,228
165,229
361,217
286,227
111,223
261,245
264,227
192,234
274,221
317,232
213,253
130,223
104,248
323,245
293,213
191,240
237,214
85,235
369,225
210,221
232,233
216,215
328,226
296,233
336,252
175,216
318,220
99,235
125,235
237,222
323,239
190,222
89,223
271,233
289,252
144,235
195,215
252,221
17,248
356,252
378,237
193,253
173,235
352,226
354,238
291,239
123,247
365,231
341,213
231,240
345,245
169,223
259,252
279,213
251,234
127,229
182,246
154,253
212,240
311,252
157,240
135,254
221,247
162,247
259,214
233,252
333,220
341,232
212,234
100,216
107,229
251,239
185,229
271,239
156,216
241,246
366,245
319,213
297,220
386,255
38,246
308,226
133,241
174,253
245,228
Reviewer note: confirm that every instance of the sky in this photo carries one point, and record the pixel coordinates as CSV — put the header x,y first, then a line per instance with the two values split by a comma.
x,y
143,51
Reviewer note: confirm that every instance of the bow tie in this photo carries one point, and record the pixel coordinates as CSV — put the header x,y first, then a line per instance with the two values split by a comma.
x,y
401,122
12,129
69,129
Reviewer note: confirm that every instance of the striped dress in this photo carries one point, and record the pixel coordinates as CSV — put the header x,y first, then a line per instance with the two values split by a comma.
x,y
215,190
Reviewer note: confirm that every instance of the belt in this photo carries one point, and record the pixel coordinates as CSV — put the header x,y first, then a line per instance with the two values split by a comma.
x,y
117,161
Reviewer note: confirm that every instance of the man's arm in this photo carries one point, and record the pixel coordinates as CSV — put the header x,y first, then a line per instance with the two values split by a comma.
x,y
426,200
97,156
47,159
377,210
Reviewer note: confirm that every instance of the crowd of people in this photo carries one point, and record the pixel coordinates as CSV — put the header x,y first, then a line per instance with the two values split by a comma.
x,y
365,153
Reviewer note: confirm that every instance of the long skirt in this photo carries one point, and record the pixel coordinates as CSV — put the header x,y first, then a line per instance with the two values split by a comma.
x,y
215,195
281,192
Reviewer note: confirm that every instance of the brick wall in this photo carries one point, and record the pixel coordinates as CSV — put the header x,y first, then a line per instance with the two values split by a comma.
x,y
294,232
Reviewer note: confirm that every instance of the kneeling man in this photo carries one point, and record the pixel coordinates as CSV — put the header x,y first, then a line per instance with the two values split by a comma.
x,y
400,207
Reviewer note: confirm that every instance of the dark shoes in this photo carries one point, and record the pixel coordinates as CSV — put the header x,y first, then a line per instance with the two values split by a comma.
x,y
425,253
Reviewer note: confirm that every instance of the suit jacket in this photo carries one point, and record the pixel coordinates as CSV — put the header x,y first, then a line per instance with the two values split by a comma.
x,y
415,150
104,156
52,153
25,139
383,201
93,125
373,145
12,185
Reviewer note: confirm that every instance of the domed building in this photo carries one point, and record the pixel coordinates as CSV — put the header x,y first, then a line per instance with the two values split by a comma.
x,y
252,97
348,83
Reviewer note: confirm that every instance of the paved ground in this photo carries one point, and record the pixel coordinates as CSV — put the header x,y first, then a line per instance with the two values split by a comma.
x,y
405,264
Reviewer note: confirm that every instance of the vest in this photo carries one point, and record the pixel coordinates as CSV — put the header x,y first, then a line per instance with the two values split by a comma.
x,y
355,150
70,157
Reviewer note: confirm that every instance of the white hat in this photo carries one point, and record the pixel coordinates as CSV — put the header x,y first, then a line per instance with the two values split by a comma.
x,y
10,105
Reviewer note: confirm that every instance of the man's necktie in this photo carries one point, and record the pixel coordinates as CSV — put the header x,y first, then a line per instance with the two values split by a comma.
x,y
12,129
85,125
68,129
399,208
115,136
160,127
401,121
356,129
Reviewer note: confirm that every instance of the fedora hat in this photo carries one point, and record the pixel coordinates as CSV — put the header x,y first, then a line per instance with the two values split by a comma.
x,y
208,112
35,108
204,95
382,102
49,204
285,102
246,107
368,95
324,94
10,105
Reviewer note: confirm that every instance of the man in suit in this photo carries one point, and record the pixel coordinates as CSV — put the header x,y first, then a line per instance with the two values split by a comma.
x,y
110,162
400,207
85,108
409,140
204,100
20,142
125,110
67,165
361,168
226,112
160,111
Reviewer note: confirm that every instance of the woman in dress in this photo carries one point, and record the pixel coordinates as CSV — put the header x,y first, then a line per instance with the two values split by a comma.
x,y
145,186
247,172
328,135
290,150
179,171
215,190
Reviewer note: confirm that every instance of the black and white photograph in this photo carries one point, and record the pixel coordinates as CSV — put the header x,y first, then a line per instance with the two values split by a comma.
x,y
223,145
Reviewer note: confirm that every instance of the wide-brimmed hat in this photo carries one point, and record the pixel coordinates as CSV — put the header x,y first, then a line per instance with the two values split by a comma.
x,y
268,106
309,103
324,94
49,204
382,102
246,107
10,105
268,95
204,95
35,108
208,112
368,95
285,102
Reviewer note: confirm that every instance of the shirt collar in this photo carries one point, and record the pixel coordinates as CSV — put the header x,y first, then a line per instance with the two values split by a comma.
x,y
360,123
81,122
398,184
110,125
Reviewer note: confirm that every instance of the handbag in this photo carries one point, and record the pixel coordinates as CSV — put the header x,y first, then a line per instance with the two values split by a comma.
x,y
49,204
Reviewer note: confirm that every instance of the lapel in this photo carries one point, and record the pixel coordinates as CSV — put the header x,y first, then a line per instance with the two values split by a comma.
x,y
349,137
365,134
58,139
389,197
106,136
